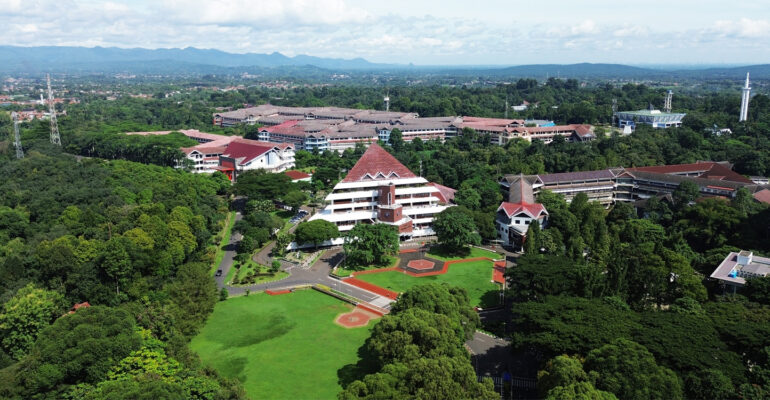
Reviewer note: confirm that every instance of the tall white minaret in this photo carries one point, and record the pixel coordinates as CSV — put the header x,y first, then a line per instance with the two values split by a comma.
x,y
745,100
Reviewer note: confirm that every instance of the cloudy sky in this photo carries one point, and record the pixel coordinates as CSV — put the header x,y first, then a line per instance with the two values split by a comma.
x,y
477,32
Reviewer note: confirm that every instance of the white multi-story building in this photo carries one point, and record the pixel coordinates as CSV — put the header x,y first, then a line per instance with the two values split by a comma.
x,y
514,217
231,154
379,189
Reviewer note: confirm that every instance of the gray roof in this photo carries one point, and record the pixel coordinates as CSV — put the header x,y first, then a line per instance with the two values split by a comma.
x,y
520,190
602,174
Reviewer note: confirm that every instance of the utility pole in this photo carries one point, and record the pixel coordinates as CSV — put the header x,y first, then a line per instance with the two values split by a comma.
x,y
506,106
17,136
55,137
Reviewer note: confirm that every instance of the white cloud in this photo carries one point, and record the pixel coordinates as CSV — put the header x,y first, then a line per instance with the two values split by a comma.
x,y
744,28
352,28
270,13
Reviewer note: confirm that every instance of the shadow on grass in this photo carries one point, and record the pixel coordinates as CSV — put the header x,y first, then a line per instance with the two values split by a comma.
x,y
259,330
235,368
490,299
366,365
443,251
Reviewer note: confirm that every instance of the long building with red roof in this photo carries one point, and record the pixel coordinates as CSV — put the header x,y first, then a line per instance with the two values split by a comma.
x,y
337,129
630,184
231,154
379,189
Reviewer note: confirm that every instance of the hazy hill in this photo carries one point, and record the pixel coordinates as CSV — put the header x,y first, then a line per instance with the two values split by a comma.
x,y
190,60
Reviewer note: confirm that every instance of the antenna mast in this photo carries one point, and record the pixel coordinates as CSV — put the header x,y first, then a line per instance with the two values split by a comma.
x,y
55,137
506,106
17,136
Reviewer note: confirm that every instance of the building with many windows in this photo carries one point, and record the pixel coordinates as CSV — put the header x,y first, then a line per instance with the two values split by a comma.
x,y
379,189
607,186
231,154
333,128
514,216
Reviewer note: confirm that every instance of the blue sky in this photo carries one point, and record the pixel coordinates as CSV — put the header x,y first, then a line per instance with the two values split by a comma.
x,y
445,32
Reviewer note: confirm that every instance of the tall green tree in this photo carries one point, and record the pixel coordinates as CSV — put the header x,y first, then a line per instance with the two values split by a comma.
x,y
315,232
370,244
25,315
629,370
455,229
78,348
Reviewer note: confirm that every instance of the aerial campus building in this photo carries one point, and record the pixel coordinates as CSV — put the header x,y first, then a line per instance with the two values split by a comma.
x,y
514,216
333,128
737,267
231,154
654,118
379,189
607,186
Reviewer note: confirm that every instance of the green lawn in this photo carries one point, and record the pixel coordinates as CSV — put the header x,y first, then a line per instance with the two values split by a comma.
x,y
286,216
280,347
474,276
344,272
439,254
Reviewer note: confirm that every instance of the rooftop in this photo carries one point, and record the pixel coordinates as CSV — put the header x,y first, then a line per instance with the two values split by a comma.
x,y
296,175
652,113
734,268
377,164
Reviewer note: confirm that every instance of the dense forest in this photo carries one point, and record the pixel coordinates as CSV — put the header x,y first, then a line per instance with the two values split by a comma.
x,y
131,240
608,304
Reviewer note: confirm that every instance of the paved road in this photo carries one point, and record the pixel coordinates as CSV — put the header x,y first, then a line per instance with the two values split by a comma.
x,y
317,273
490,355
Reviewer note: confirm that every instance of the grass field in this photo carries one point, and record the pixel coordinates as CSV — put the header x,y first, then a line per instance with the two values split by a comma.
x,y
439,254
280,347
474,276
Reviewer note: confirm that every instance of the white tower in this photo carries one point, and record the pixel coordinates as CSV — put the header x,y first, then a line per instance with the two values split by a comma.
x,y
386,99
745,100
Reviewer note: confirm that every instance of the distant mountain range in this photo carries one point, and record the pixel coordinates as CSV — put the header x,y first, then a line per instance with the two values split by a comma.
x,y
33,60
14,58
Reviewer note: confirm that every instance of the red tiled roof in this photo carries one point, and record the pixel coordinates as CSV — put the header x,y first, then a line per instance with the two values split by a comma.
x,y
763,196
295,175
246,150
445,194
287,127
377,161
533,210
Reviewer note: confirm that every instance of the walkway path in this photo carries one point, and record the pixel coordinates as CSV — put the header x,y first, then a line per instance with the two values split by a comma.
x,y
318,273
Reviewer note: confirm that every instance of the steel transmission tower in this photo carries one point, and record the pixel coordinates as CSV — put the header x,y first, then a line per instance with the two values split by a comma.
x,y
667,104
17,136
55,137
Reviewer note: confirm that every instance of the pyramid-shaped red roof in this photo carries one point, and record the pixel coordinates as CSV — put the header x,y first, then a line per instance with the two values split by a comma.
x,y
377,164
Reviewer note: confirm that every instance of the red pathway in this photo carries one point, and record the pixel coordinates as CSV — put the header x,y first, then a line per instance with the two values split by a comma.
x,y
372,288
277,292
498,272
